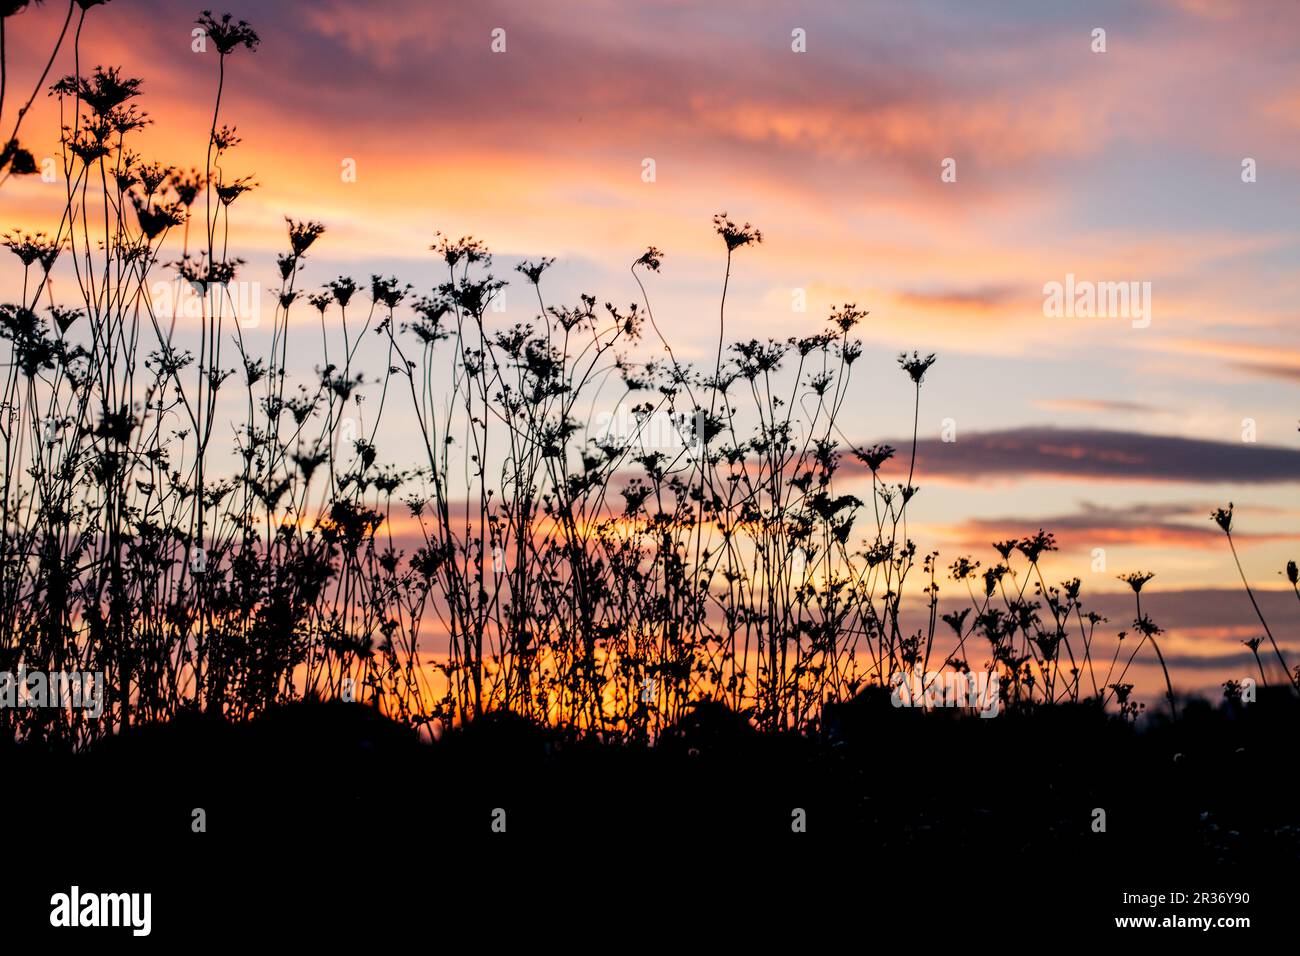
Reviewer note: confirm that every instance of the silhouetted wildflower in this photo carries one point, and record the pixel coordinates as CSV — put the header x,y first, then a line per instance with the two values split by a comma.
x,y
956,620
533,270
229,192
19,161
343,289
847,316
1135,579
735,236
187,187
651,259
157,217
103,91
225,138
227,34
33,247
466,249
1033,547
875,456
152,176
387,291
1223,518
302,235
915,367
64,318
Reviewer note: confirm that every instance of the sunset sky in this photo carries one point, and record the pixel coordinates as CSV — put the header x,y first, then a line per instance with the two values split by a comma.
x,y
1117,166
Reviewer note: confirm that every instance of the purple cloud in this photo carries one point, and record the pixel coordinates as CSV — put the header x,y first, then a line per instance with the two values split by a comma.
x,y
1099,453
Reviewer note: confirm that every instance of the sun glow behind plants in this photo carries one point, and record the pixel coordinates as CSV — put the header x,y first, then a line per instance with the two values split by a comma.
x,y
775,445
733,565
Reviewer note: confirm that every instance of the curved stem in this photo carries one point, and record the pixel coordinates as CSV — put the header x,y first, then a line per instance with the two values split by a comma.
x,y
1258,613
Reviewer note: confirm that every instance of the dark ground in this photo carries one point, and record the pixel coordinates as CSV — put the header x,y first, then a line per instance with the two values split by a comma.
x,y
327,819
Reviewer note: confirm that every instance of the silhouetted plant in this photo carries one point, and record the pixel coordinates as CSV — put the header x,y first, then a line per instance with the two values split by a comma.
x,y
1223,518
608,582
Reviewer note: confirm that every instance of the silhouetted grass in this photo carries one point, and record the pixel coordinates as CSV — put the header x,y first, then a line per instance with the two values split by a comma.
x,y
602,584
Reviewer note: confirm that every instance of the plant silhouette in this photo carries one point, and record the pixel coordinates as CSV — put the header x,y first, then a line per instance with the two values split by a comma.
x,y
614,584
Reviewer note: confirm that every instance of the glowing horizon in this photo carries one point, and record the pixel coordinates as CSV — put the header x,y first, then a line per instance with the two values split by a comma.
x,y
1117,166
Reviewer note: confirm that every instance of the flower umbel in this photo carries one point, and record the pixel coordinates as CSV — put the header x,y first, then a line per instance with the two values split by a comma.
x,y
735,236
227,34
1135,579
916,366
1223,518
